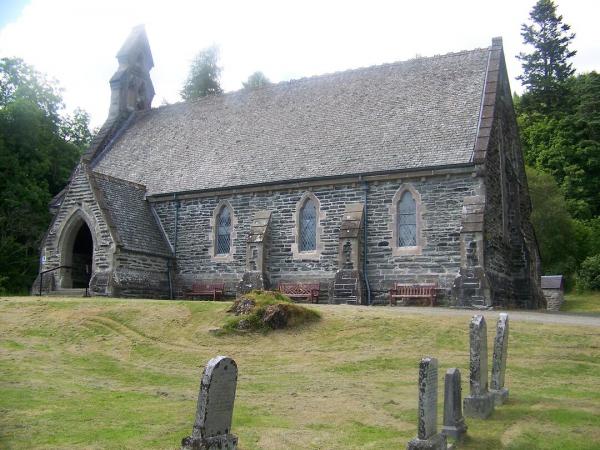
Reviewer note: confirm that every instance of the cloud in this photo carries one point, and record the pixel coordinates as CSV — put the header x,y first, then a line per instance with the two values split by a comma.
x,y
76,41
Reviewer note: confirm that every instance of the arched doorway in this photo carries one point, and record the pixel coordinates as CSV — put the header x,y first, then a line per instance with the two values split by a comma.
x,y
78,254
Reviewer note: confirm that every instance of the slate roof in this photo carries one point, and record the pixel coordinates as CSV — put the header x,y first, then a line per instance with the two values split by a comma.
x,y
130,214
419,113
552,282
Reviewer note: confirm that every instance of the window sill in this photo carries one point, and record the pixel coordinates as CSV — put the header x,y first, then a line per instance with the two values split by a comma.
x,y
223,258
307,256
403,251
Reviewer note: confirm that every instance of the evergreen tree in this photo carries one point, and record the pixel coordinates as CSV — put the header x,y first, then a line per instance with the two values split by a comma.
x,y
256,80
204,75
547,67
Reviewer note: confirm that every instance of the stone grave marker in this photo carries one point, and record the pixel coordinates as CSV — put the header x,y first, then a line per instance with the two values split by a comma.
x,y
499,360
480,402
212,428
454,422
427,436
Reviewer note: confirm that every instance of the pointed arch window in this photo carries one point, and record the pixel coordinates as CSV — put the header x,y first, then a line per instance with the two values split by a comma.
x,y
223,238
407,220
308,226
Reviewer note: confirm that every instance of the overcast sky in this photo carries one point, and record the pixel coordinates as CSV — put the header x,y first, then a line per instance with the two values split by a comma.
x,y
75,41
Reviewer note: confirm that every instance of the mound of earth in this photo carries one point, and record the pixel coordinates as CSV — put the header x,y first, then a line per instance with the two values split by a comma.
x,y
267,310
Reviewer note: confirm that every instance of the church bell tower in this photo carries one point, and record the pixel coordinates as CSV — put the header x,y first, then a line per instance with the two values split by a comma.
x,y
131,86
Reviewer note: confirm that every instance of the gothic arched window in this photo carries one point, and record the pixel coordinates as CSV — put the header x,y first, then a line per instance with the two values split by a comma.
x,y
223,238
308,226
407,220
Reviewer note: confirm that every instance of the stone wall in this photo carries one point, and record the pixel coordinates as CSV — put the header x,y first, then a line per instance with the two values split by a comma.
x,y
512,263
554,299
439,259
140,275
79,202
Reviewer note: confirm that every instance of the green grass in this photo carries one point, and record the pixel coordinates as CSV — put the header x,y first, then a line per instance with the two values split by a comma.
x,y
103,373
587,302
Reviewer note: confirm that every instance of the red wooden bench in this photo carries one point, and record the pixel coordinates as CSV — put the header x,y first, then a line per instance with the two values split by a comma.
x,y
416,291
205,289
302,291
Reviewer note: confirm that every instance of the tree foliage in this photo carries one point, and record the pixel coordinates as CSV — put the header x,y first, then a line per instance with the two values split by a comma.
x,y
204,76
20,81
554,226
547,67
256,80
35,164
567,145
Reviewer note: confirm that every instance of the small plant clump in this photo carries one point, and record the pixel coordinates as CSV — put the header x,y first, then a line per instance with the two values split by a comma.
x,y
265,311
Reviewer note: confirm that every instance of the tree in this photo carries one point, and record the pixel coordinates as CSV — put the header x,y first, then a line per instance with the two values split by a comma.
x,y
554,226
547,67
567,145
35,164
256,80
19,80
75,128
203,78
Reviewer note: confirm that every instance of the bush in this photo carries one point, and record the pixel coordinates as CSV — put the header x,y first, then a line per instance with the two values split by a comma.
x,y
589,273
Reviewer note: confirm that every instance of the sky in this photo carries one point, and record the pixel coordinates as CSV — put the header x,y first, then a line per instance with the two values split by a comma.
x,y
76,41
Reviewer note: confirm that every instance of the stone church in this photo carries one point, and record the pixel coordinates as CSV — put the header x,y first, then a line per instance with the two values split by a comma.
x,y
406,172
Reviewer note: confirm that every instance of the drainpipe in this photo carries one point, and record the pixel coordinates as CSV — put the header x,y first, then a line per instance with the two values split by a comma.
x,y
170,262
176,221
365,276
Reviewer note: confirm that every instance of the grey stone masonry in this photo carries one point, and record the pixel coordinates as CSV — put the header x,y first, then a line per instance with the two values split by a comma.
x,y
553,290
348,282
454,422
428,437
190,231
499,360
212,428
257,253
480,402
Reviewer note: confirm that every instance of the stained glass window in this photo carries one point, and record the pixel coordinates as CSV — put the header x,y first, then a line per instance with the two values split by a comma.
x,y
407,221
308,226
223,231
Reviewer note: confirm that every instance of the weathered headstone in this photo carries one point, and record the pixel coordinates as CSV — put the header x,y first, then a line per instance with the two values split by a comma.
x,y
499,360
480,402
427,436
454,422
212,428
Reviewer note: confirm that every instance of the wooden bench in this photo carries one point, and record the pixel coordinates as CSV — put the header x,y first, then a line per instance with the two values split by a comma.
x,y
204,289
301,291
405,292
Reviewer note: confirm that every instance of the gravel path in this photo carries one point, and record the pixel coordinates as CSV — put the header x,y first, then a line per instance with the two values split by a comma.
x,y
525,316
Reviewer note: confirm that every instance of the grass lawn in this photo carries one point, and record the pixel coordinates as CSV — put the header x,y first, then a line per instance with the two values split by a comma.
x,y
587,302
102,373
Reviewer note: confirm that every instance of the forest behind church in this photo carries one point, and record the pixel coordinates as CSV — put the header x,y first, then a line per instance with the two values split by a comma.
x,y
558,117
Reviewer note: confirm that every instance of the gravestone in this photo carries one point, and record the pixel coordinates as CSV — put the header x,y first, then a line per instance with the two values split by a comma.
x,y
480,402
212,428
454,422
427,436
499,360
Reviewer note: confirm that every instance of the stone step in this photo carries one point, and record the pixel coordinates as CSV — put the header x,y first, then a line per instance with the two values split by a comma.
x,y
77,292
